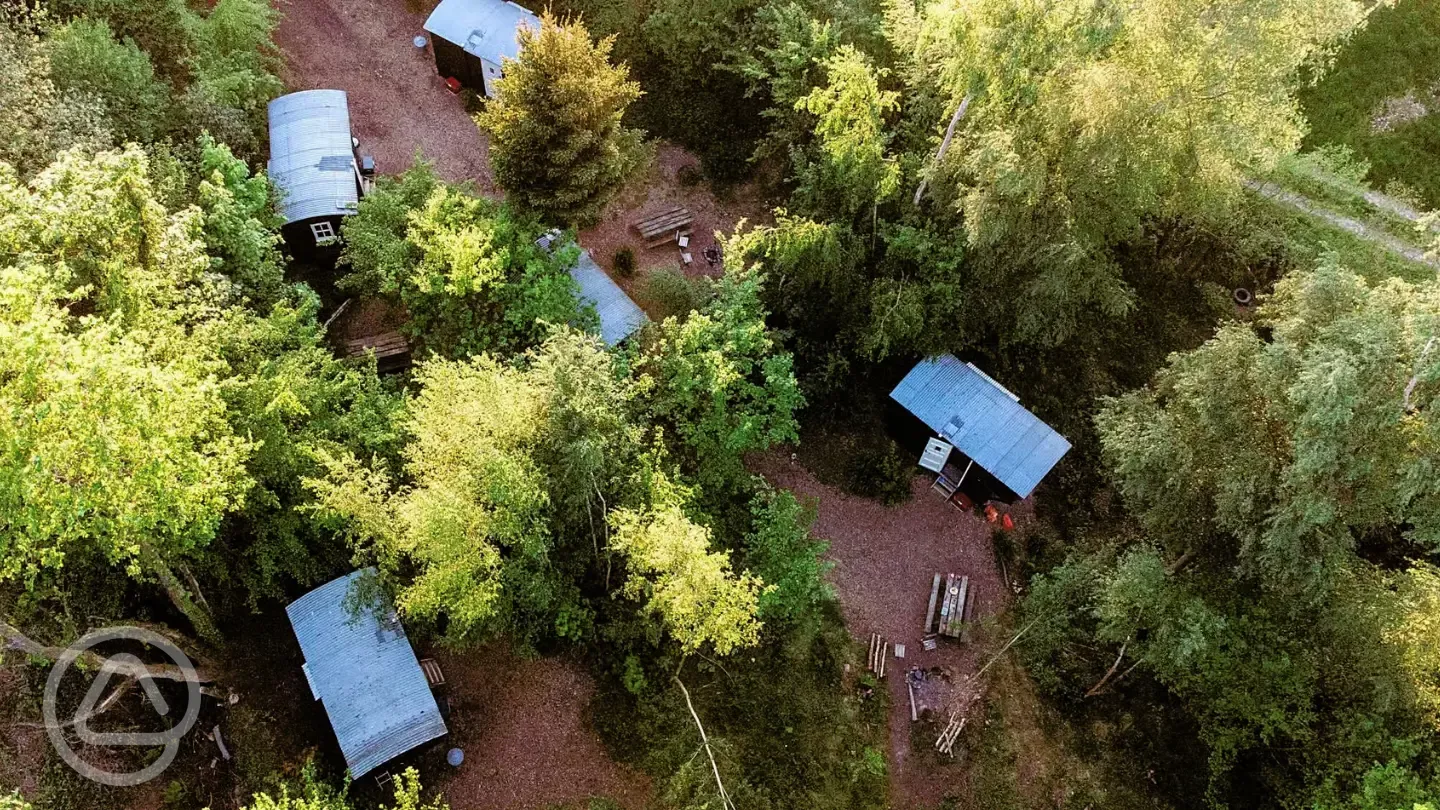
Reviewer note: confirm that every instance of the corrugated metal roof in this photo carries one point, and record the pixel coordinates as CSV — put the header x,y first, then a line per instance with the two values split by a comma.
x,y
484,28
365,673
311,154
983,420
619,316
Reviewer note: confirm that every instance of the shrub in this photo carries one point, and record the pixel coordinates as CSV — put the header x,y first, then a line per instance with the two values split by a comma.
x,y
624,262
882,473
671,293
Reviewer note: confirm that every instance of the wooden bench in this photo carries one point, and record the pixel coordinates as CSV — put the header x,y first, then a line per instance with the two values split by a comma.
x,y
392,350
664,226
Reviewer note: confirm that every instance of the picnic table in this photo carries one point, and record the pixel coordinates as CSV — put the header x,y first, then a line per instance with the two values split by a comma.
x,y
666,226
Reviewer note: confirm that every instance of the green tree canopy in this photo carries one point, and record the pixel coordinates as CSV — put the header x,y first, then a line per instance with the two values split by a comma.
x,y
556,139
1086,120
467,270
717,381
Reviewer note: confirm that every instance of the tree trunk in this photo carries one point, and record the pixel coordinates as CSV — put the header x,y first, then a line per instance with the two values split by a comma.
x,y
1180,563
1109,673
16,640
197,613
705,742
945,143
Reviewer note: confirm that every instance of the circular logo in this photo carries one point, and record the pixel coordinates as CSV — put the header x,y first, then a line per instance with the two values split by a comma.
x,y
127,666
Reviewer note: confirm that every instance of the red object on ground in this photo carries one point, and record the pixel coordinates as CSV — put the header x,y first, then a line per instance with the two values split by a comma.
x,y
452,84
991,513
1006,522
964,501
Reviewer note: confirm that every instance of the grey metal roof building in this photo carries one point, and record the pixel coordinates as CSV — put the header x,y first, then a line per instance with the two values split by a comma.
x,y
361,667
619,316
983,420
482,28
312,158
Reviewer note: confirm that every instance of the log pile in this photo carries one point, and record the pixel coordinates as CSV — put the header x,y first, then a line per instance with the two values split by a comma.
x,y
879,647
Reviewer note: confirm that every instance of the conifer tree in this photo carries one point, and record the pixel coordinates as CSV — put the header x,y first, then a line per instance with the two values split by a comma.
x,y
556,140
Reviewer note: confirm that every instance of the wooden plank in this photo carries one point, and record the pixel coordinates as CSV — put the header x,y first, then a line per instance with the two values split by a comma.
x,y
958,623
969,610
944,605
674,209
947,605
934,595
666,223
670,220
666,216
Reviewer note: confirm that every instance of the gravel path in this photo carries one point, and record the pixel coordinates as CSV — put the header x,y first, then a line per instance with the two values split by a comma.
x,y
885,558
398,103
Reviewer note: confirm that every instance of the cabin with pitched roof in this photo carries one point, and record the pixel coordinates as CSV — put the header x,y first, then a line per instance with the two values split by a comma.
x,y
977,422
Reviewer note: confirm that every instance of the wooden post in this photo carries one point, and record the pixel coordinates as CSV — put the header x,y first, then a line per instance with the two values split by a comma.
x,y
930,611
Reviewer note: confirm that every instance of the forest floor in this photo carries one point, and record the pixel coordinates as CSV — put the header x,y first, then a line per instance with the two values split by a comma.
x,y
398,103
521,723
885,559
673,179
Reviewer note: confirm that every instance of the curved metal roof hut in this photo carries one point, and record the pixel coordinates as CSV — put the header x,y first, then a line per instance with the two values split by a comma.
x,y
361,668
312,165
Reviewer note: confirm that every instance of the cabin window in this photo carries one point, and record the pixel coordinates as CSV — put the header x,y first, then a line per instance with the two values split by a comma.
x,y
324,232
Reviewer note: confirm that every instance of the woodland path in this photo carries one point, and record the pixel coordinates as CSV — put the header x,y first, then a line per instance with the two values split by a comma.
x,y
1391,243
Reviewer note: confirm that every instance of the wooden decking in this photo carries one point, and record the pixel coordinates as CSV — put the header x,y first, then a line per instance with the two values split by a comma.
x,y
391,349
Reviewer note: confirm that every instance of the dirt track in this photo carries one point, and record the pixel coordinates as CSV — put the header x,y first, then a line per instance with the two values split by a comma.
x,y
398,103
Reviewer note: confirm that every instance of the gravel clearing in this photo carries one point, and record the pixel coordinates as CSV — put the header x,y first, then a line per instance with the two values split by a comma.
x,y
885,558
527,746
660,189
398,103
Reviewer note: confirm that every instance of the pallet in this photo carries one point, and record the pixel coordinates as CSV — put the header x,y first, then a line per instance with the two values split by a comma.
x,y
385,344
391,350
